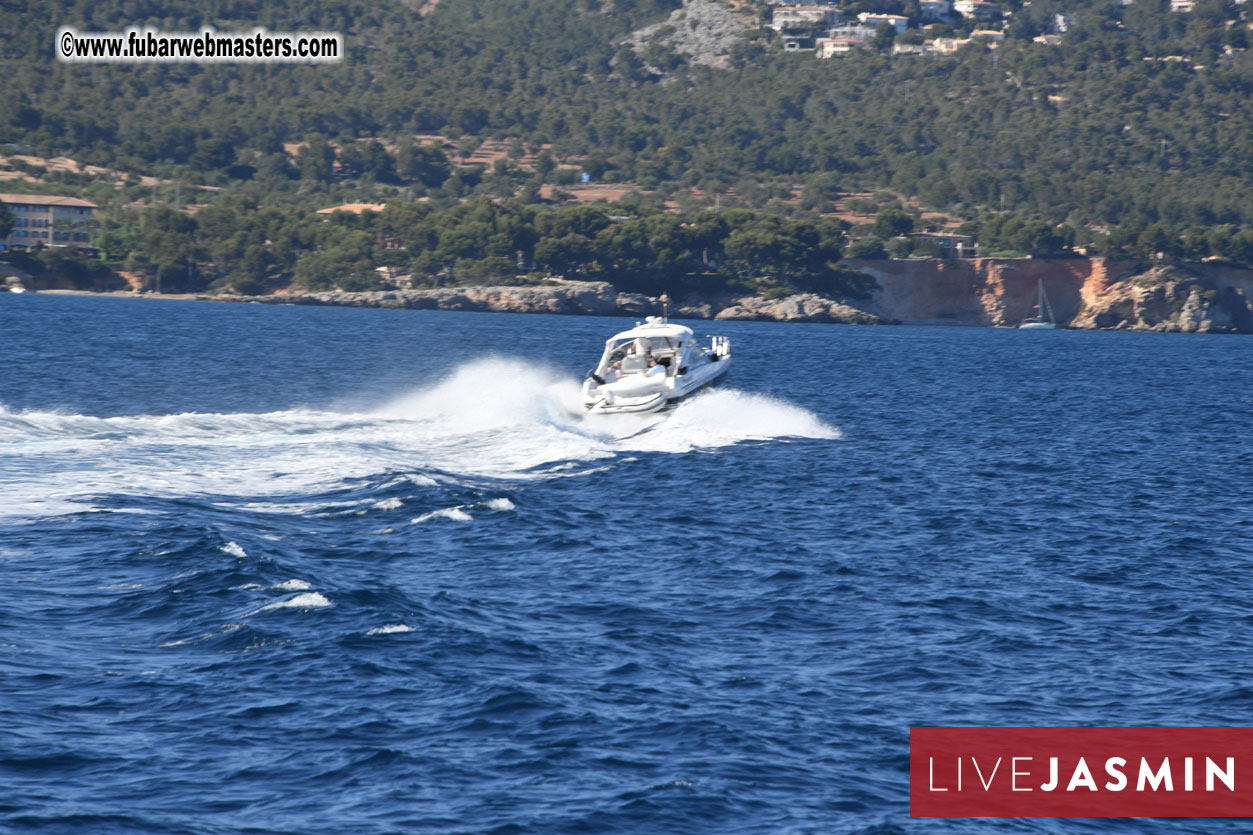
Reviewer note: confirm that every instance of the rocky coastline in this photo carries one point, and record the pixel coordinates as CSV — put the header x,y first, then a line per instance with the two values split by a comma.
x,y
1085,293
588,298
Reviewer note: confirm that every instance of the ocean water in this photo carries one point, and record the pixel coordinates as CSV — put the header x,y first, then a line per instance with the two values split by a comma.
x,y
290,569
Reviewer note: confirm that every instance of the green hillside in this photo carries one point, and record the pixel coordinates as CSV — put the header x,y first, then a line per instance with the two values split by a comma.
x,y
1134,135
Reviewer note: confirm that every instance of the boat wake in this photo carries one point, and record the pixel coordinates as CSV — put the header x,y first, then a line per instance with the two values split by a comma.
x,y
492,419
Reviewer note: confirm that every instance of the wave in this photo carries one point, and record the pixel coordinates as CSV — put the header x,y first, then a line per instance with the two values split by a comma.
x,y
456,514
309,600
390,629
234,549
490,418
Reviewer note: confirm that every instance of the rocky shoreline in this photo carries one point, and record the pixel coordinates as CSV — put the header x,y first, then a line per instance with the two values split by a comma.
x,y
590,298
587,298
1085,293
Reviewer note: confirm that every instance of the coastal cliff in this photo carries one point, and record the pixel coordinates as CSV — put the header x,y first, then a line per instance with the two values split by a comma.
x,y
590,298
987,292
1196,298
1085,293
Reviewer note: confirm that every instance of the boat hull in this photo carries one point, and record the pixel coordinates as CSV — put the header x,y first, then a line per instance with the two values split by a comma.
x,y
1037,326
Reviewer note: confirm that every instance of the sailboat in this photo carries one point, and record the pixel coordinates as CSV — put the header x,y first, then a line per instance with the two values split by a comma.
x,y
1042,317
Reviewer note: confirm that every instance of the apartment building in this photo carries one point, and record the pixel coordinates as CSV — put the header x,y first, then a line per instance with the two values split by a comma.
x,y
47,220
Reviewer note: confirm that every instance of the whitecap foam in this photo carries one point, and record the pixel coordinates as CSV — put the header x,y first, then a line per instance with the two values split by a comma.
x,y
311,600
456,514
499,504
412,478
234,549
292,585
724,417
390,629
488,419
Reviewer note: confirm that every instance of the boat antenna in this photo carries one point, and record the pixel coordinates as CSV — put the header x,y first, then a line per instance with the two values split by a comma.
x,y
665,308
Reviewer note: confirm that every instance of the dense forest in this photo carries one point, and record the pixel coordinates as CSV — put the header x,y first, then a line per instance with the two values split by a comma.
x,y
1132,137
237,246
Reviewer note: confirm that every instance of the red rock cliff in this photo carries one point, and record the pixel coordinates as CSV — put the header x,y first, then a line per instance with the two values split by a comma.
x,y
1088,293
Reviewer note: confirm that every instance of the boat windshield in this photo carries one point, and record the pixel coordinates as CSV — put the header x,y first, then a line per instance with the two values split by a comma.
x,y
645,345
636,354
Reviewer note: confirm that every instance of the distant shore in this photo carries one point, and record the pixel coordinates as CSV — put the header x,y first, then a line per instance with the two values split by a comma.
x,y
124,294
1084,293
591,298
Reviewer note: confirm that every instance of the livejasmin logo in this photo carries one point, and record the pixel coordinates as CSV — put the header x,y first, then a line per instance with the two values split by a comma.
x,y
1081,772
1081,777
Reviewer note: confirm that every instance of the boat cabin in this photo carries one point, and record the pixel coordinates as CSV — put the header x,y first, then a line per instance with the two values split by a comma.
x,y
632,352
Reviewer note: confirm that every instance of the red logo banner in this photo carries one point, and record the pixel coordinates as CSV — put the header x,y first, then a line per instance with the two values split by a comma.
x,y
1080,772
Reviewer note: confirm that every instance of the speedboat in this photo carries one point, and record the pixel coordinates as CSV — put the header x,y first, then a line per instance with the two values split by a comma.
x,y
651,366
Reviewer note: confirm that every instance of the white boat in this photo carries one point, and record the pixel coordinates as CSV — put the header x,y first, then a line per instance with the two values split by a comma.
x,y
1042,317
651,366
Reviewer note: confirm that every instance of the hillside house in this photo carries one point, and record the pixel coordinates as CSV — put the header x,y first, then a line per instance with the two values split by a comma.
x,y
897,22
976,9
801,17
935,9
953,246
799,43
852,31
827,47
47,220
946,45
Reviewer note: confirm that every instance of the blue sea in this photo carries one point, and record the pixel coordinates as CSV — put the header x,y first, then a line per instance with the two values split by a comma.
x,y
329,570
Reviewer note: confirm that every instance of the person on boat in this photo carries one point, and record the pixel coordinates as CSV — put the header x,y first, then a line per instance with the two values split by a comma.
x,y
618,373
655,369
